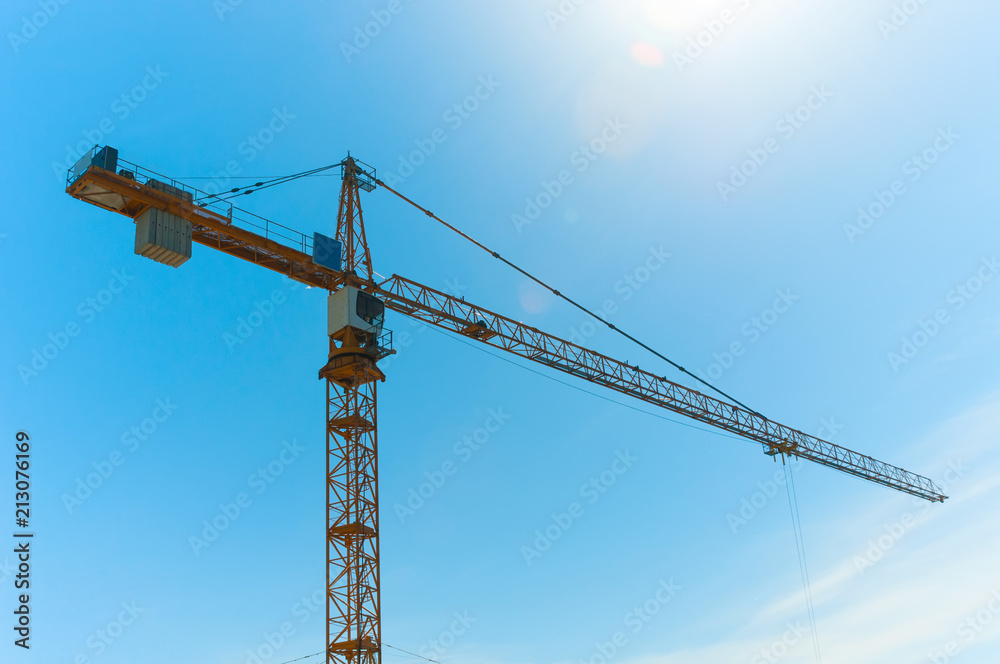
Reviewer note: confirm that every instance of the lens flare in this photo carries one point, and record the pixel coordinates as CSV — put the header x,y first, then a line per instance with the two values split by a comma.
x,y
646,54
534,299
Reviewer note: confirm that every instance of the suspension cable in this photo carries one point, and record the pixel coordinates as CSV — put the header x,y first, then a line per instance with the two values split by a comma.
x,y
566,298
265,184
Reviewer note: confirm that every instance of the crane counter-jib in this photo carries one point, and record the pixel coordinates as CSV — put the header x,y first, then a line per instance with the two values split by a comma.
x,y
130,196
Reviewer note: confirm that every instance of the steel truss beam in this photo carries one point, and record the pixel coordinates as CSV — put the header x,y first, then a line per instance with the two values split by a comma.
x,y
450,313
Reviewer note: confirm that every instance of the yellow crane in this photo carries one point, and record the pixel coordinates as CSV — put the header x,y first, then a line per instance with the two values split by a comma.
x,y
170,216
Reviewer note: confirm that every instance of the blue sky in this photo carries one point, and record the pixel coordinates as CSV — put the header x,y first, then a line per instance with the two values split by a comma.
x,y
812,184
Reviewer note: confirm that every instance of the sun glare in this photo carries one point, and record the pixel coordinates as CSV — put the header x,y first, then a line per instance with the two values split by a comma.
x,y
674,15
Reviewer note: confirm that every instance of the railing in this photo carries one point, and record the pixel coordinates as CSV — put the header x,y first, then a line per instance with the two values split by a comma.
x,y
237,216
384,343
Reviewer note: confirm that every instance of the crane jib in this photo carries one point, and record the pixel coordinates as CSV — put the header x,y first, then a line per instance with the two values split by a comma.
x,y
450,313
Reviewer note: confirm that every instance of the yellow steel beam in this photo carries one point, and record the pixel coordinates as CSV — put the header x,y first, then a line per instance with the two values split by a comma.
x,y
209,227
450,313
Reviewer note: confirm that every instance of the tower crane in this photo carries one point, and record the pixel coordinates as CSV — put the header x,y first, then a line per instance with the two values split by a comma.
x,y
169,216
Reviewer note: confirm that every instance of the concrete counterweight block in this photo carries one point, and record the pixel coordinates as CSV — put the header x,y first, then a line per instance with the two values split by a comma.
x,y
163,237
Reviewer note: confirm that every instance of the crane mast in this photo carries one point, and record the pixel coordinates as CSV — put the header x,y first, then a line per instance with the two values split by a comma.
x,y
356,307
352,374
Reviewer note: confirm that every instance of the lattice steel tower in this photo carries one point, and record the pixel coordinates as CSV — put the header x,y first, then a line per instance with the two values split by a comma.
x,y
355,328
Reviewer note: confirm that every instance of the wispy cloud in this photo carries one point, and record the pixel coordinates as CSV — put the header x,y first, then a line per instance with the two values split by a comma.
x,y
918,599
921,598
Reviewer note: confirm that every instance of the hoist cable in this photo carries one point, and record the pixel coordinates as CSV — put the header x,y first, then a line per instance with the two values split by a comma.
x,y
800,546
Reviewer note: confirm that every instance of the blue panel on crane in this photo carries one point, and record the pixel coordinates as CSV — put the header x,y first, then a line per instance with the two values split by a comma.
x,y
327,251
106,157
